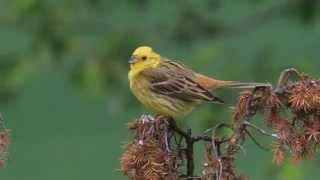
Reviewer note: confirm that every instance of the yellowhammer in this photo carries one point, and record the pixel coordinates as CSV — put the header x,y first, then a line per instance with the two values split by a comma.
x,y
170,88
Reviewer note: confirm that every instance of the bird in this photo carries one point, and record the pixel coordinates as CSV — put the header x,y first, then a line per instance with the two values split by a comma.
x,y
170,88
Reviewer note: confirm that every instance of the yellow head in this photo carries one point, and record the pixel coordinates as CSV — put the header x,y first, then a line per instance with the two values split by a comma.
x,y
144,57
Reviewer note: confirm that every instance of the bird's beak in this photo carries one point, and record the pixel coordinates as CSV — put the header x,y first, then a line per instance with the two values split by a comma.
x,y
133,59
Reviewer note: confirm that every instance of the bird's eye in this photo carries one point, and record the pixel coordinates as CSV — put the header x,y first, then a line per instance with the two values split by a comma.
x,y
144,58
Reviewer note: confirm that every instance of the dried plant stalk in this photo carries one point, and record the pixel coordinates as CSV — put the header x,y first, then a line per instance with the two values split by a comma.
x,y
291,111
4,142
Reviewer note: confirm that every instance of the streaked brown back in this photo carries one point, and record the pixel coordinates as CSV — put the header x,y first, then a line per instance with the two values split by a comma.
x,y
177,81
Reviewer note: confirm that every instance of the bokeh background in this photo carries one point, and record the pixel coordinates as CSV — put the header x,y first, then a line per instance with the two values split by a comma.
x,y
63,75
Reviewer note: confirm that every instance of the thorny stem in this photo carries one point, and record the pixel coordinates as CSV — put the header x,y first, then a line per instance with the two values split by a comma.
x,y
255,140
2,125
232,147
189,152
233,143
284,78
273,135
189,143
190,140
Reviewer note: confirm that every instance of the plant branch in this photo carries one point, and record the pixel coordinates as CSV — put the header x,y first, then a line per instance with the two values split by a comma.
x,y
300,98
273,135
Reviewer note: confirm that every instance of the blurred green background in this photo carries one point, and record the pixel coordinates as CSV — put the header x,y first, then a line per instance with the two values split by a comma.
x,y
63,74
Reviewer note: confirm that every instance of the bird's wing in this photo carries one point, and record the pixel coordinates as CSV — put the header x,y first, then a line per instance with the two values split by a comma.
x,y
176,80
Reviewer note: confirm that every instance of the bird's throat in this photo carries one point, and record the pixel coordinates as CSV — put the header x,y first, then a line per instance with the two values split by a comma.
x,y
137,68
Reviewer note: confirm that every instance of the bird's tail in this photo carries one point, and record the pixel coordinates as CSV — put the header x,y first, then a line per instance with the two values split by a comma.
x,y
243,85
210,83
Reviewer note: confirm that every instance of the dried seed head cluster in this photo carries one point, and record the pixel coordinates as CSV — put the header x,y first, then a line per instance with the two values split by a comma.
x,y
304,95
299,131
241,107
249,103
278,154
146,161
297,139
4,142
4,146
221,167
148,156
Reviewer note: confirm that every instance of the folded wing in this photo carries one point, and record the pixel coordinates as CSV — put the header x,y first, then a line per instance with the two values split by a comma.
x,y
177,81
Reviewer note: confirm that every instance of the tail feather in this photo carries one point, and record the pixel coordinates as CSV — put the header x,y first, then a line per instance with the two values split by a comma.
x,y
210,83
244,85
217,100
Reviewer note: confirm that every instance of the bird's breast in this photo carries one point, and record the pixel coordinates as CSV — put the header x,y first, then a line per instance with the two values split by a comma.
x,y
159,103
